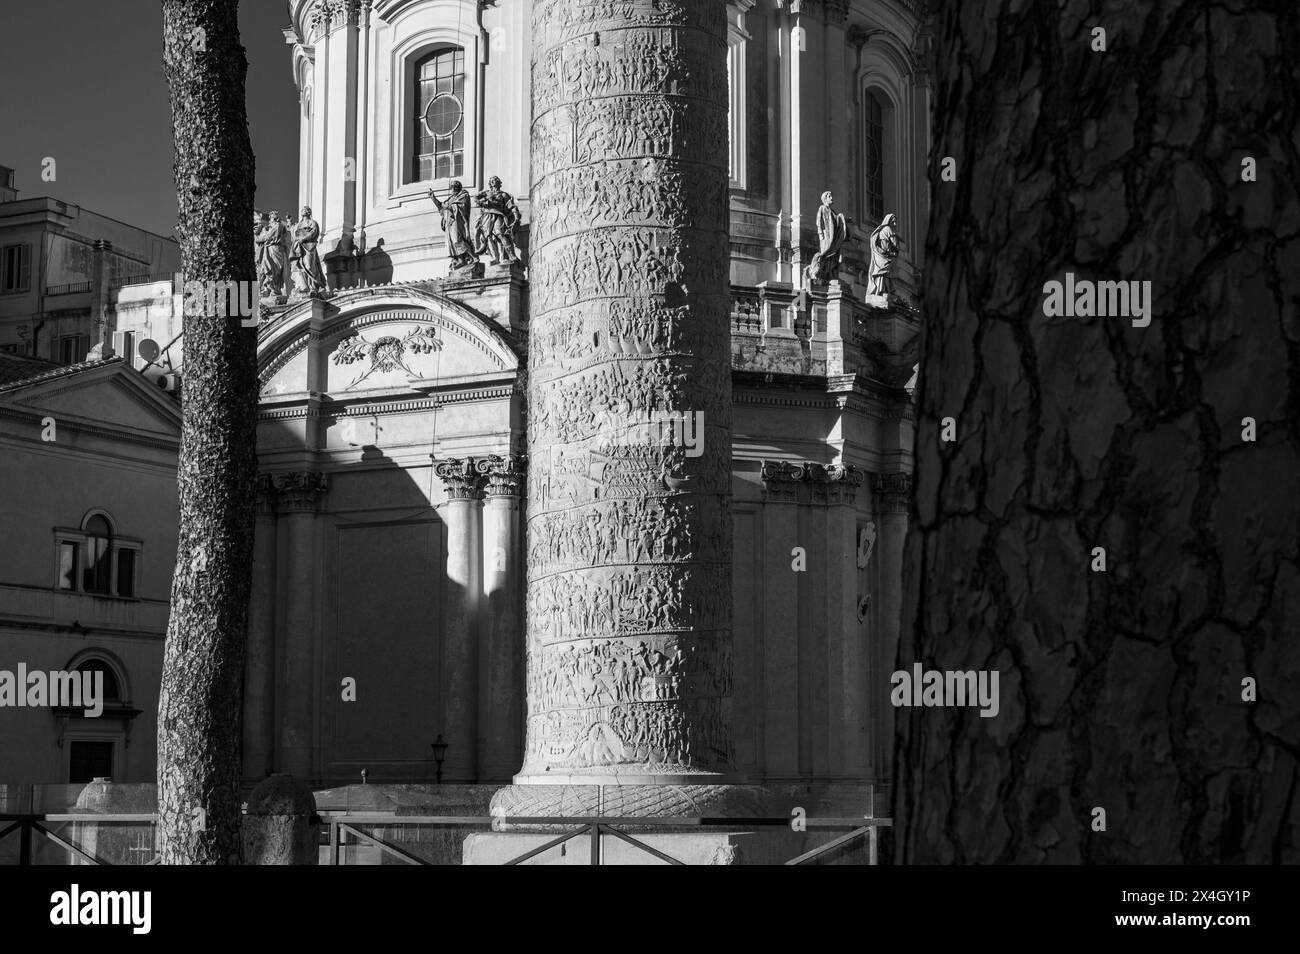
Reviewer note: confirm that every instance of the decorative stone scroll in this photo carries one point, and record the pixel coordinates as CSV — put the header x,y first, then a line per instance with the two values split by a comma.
x,y
629,535
809,482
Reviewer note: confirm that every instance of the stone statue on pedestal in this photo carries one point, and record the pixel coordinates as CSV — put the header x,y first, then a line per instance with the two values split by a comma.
x,y
309,279
271,257
832,231
455,222
497,220
884,250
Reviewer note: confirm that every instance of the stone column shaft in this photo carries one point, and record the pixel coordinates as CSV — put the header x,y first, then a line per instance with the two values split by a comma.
x,y
259,680
460,648
629,573
299,496
501,655
893,501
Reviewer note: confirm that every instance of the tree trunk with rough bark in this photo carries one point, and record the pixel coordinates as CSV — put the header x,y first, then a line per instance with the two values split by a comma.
x,y
201,697
1123,689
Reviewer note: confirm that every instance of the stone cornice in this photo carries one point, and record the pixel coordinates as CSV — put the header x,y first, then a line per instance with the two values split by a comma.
x,y
398,405
86,427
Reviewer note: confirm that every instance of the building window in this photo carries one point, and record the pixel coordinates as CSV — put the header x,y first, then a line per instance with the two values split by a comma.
x,y
68,564
89,760
94,559
15,268
98,549
73,348
112,689
873,127
439,150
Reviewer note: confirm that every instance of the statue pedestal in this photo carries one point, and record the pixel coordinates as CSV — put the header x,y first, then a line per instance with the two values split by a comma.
x,y
466,272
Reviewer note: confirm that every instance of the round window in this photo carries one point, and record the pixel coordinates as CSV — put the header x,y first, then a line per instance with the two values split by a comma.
x,y
443,115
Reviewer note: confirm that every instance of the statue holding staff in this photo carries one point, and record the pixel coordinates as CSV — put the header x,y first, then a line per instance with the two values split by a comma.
x,y
455,222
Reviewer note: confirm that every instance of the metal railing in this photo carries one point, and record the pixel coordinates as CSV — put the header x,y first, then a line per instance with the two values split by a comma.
x,y
31,827
72,288
345,830
344,825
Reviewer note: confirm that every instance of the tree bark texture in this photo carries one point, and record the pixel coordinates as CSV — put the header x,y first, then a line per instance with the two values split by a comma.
x,y
1120,689
200,701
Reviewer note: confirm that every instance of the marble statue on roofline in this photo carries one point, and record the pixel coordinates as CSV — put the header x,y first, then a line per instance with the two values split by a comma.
x,y
832,232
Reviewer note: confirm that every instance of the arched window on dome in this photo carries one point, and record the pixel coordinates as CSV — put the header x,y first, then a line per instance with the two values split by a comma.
x,y
438,150
877,120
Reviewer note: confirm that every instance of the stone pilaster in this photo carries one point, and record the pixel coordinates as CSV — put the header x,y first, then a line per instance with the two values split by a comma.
x,y
259,671
299,495
629,575
501,649
893,496
463,485
809,506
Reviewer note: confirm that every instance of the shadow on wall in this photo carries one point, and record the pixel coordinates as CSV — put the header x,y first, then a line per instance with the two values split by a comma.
x,y
373,639
376,266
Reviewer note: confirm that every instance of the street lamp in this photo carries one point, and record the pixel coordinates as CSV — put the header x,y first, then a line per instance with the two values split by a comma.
x,y
439,753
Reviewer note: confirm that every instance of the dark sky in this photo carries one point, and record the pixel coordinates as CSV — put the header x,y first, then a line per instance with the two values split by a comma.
x,y
82,81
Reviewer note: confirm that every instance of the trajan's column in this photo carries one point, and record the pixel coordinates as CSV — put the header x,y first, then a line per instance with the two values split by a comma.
x,y
629,522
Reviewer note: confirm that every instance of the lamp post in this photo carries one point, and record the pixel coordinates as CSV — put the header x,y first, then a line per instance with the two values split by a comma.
x,y
439,753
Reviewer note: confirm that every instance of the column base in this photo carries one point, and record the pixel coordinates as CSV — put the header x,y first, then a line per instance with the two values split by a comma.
x,y
541,800
691,848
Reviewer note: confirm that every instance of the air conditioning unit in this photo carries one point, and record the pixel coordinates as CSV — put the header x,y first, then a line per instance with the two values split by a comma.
x,y
170,382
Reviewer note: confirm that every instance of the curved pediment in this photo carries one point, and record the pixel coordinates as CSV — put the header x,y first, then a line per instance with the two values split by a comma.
x,y
372,339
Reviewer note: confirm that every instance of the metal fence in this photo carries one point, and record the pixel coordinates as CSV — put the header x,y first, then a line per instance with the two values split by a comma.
x,y
110,839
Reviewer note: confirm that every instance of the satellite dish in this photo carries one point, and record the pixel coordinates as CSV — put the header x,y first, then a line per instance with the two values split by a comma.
x,y
148,349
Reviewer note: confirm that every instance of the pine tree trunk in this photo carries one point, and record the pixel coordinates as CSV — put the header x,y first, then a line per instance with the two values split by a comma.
x,y
1120,689
200,702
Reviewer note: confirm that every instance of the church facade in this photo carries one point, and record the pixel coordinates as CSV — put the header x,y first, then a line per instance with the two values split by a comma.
x,y
393,512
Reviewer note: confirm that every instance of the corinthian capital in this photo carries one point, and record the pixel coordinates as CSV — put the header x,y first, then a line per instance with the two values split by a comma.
x,y
837,11
300,489
504,476
460,478
893,492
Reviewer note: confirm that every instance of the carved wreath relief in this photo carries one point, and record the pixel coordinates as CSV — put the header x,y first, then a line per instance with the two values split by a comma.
x,y
629,535
387,353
